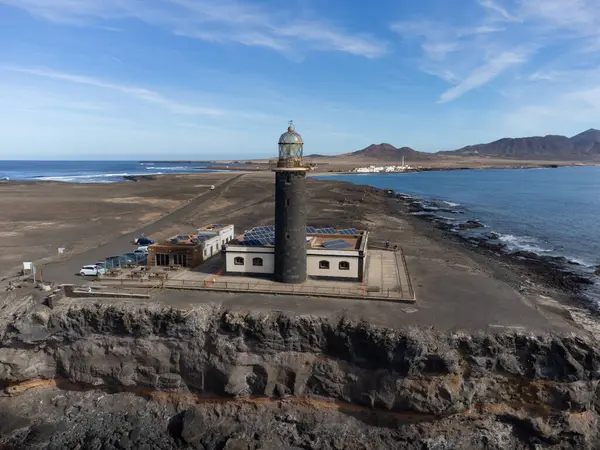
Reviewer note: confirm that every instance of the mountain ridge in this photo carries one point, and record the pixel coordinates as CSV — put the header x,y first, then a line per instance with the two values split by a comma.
x,y
584,146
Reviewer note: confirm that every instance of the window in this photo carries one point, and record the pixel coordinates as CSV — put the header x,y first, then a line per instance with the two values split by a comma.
x,y
323,264
287,202
180,260
257,262
344,265
238,261
162,259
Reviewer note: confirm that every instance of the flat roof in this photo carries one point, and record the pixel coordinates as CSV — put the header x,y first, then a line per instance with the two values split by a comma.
x,y
317,238
214,227
184,239
331,241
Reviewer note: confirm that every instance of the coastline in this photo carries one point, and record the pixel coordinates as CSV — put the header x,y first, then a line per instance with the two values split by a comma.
x,y
117,208
574,280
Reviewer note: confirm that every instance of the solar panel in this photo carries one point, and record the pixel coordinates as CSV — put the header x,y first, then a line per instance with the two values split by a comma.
x,y
336,244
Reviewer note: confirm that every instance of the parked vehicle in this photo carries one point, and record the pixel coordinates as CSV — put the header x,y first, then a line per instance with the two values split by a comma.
x,y
93,271
101,264
141,250
143,241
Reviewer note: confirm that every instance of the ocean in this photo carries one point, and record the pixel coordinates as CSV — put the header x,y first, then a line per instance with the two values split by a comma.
x,y
92,171
554,211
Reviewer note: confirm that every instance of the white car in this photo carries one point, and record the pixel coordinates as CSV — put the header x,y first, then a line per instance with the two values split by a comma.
x,y
93,271
143,250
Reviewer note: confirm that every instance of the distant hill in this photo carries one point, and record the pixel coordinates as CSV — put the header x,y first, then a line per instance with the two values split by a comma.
x,y
581,147
388,153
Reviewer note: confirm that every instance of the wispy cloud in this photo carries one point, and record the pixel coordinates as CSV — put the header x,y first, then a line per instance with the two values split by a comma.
x,y
140,93
471,55
223,21
499,10
484,74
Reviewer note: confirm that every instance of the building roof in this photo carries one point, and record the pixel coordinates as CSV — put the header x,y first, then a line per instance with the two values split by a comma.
x,y
214,227
342,239
183,239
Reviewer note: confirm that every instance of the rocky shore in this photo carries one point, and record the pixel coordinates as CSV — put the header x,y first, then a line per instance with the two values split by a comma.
x,y
94,376
556,272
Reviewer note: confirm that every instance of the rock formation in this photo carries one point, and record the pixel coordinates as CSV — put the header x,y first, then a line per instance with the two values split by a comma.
x,y
244,381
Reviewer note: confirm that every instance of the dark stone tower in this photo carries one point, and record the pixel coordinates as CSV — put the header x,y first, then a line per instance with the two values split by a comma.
x,y
290,210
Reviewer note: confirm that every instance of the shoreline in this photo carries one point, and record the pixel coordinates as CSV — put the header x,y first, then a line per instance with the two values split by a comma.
x,y
261,167
558,273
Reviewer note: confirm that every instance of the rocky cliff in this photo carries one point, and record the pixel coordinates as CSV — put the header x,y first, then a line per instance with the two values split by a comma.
x,y
211,378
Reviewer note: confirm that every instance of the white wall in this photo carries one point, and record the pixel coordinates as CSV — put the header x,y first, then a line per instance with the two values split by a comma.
x,y
226,235
211,247
312,266
267,267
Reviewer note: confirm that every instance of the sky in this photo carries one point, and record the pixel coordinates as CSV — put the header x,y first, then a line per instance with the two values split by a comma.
x,y
210,79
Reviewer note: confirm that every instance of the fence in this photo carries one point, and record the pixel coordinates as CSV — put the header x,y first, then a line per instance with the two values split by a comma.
x,y
262,288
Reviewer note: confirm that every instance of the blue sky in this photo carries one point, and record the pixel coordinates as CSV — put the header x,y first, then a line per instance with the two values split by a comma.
x,y
198,79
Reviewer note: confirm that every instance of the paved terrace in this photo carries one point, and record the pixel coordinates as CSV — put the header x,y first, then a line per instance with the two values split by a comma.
x,y
387,279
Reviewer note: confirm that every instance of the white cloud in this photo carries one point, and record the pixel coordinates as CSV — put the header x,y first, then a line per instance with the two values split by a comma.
x,y
214,21
484,74
138,92
498,9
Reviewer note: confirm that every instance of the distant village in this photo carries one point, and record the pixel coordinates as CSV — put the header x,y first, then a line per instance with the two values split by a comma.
x,y
378,169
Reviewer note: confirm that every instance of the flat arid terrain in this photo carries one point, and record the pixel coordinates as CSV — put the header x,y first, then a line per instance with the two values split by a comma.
x,y
493,355
95,221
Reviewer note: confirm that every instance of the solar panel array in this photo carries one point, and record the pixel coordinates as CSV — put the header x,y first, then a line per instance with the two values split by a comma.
x,y
258,236
265,235
336,244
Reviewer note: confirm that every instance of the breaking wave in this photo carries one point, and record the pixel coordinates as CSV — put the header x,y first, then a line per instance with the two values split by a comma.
x,y
522,243
93,178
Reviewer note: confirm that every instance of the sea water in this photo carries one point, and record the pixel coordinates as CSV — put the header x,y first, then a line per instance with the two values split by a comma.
x,y
93,171
553,211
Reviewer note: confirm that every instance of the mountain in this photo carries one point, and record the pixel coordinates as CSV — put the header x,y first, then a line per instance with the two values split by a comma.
x,y
581,147
388,153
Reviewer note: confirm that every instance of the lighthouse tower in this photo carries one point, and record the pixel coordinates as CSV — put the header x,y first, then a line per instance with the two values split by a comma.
x,y
290,209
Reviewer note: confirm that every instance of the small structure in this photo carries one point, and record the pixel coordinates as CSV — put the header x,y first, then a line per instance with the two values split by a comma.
x,y
329,253
190,250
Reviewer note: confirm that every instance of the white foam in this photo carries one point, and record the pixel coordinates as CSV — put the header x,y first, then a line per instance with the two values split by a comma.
x,y
521,243
93,178
167,168
452,204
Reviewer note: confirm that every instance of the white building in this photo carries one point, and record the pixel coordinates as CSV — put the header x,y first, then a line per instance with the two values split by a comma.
x,y
330,253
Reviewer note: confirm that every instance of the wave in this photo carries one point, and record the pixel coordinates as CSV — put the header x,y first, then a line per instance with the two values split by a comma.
x,y
168,168
93,178
452,204
522,243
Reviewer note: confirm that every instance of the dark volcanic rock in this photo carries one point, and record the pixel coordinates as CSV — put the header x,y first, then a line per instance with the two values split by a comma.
x,y
470,225
435,384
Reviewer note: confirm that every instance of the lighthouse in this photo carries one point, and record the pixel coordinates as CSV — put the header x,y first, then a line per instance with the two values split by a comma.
x,y
290,209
